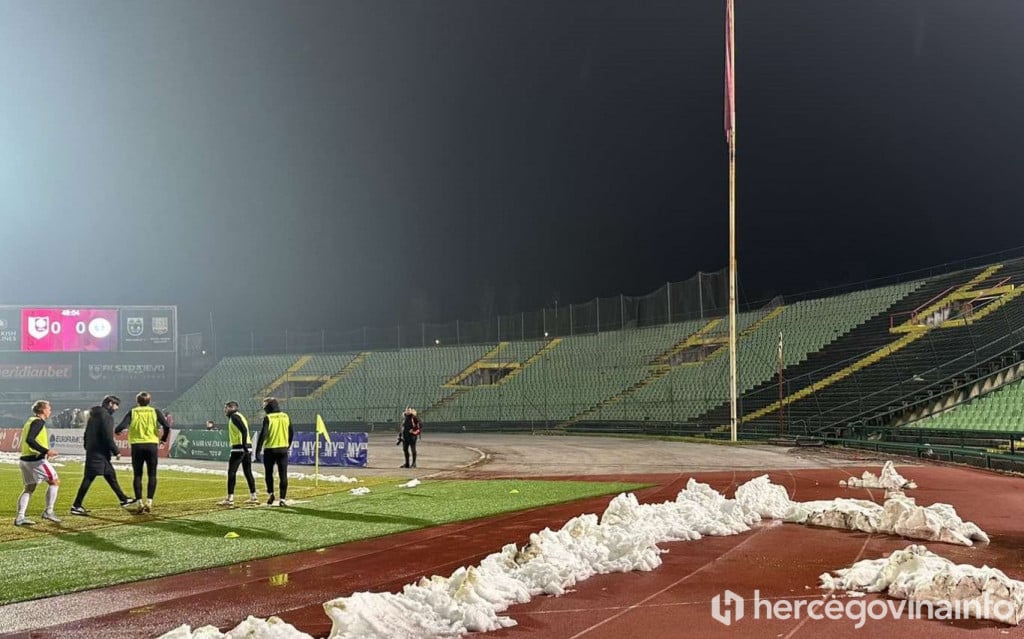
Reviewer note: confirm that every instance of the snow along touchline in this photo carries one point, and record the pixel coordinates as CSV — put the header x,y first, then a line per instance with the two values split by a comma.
x,y
624,539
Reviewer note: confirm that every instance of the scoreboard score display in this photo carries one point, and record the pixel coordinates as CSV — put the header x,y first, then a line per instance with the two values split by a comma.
x,y
68,329
73,348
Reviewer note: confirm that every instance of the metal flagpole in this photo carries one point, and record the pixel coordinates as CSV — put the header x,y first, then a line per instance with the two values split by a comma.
x,y
730,132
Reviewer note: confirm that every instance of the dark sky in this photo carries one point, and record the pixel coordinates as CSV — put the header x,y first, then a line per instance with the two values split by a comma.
x,y
337,163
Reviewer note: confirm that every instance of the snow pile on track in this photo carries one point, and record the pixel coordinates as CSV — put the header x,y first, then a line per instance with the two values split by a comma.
x,y
917,574
899,516
624,538
889,479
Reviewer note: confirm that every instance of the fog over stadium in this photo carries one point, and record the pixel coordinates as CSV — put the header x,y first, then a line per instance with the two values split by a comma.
x,y
338,164
451,283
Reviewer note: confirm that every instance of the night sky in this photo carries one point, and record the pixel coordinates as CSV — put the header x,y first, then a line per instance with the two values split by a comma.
x,y
334,164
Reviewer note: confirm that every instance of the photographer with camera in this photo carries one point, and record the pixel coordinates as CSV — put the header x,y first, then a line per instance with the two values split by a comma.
x,y
410,432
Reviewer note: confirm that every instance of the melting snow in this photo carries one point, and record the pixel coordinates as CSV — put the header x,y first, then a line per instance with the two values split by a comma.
x,y
917,574
898,516
183,468
251,628
890,479
624,538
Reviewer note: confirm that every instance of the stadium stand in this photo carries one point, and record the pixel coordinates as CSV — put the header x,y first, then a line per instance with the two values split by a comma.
x,y
864,357
913,350
1001,410
670,372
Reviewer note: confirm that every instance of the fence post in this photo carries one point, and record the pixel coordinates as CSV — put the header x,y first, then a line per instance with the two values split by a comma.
x,y
700,293
213,338
668,298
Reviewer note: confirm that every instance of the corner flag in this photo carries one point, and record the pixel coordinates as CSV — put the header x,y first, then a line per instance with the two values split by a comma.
x,y
321,428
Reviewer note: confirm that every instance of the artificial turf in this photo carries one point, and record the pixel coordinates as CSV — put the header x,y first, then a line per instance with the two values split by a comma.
x,y
187,531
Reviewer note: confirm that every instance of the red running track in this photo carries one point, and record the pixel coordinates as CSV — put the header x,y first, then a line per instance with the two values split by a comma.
x,y
779,560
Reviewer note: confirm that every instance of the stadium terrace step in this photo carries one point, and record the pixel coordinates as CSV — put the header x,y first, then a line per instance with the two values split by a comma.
x,y
340,375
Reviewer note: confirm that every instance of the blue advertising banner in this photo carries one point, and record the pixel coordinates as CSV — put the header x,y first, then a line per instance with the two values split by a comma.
x,y
344,449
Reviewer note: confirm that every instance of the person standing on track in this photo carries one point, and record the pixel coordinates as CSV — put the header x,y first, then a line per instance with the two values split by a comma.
x,y
410,433
241,446
276,442
35,465
141,423
99,448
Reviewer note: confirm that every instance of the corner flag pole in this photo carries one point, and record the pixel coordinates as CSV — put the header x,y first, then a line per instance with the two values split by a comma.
x,y
321,429
730,135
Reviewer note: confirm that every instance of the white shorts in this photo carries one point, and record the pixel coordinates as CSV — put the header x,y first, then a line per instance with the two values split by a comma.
x,y
37,472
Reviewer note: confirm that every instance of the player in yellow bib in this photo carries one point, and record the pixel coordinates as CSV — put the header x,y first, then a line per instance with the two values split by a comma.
x,y
275,441
35,465
142,424
241,445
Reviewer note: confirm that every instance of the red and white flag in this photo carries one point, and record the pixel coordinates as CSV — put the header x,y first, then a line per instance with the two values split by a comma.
x,y
730,72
